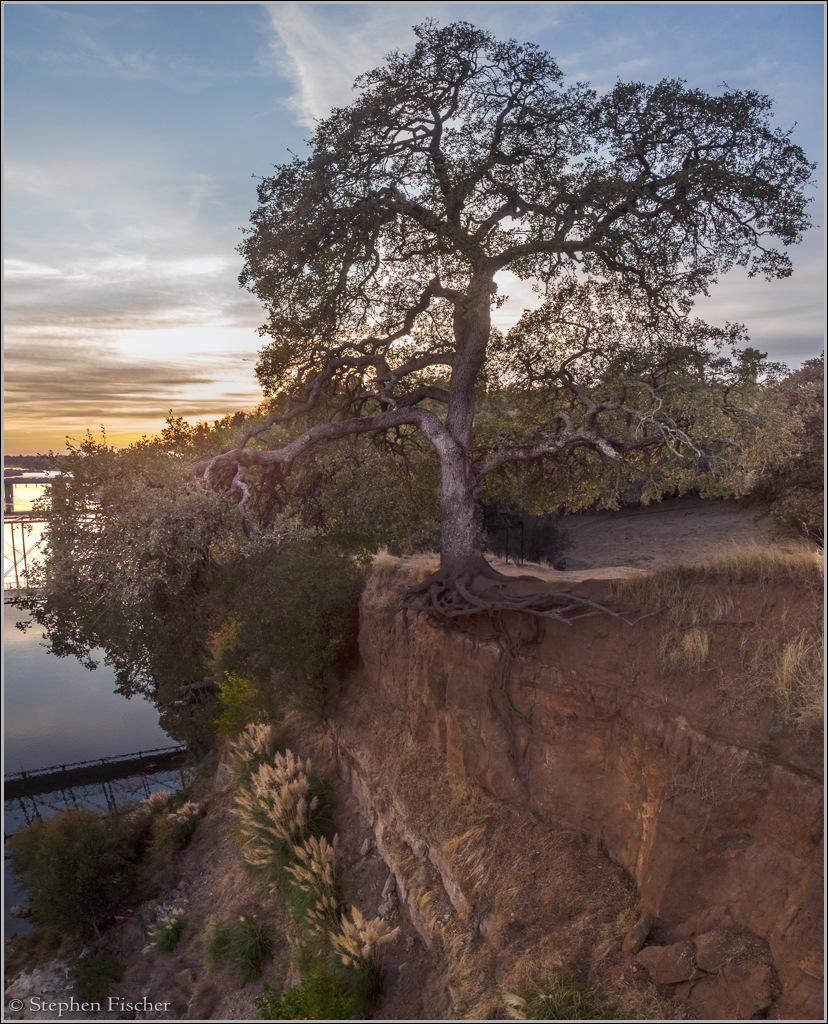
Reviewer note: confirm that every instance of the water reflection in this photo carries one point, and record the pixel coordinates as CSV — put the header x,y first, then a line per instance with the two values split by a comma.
x,y
57,712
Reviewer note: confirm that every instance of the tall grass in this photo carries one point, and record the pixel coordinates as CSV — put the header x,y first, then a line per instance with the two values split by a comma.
x,y
278,803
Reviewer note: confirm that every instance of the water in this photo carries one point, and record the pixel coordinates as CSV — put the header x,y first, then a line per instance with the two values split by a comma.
x,y
58,712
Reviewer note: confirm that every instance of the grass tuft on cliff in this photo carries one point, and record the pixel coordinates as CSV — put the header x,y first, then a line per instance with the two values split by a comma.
x,y
784,664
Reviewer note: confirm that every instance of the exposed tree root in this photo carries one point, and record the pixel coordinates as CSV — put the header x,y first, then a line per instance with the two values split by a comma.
x,y
456,600
447,599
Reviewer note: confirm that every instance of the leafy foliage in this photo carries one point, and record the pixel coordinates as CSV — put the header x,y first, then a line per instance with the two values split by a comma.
x,y
79,868
377,257
295,601
791,483
242,701
94,975
130,566
176,586
322,994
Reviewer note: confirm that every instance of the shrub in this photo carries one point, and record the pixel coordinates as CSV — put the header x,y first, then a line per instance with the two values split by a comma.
x,y
93,976
168,931
321,995
296,600
242,701
174,830
791,485
328,990
241,947
562,998
78,867
256,746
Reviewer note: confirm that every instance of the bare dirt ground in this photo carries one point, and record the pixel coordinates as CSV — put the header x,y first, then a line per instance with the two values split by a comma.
x,y
692,530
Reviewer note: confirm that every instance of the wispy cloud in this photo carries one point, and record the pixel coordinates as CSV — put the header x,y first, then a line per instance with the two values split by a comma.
x,y
324,48
123,385
131,131
129,290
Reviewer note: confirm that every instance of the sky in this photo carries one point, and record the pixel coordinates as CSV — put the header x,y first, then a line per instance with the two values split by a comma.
x,y
134,134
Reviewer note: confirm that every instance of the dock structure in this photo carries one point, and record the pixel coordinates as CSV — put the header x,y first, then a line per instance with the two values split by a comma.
x,y
37,781
30,479
17,541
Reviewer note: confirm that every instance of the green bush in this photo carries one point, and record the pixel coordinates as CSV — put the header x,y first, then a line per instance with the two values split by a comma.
x,y
78,867
241,947
323,994
242,701
168,931
296,604
93,976
174,830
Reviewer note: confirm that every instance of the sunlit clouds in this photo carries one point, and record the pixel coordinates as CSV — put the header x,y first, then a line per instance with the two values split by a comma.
x,y
134,133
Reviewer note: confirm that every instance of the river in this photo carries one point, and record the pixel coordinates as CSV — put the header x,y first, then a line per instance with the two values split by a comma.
x,y
56,712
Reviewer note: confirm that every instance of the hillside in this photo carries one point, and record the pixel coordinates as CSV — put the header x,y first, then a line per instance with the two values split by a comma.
x,y
636,807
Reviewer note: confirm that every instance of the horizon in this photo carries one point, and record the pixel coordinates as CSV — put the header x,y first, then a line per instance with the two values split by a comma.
x,y
132,133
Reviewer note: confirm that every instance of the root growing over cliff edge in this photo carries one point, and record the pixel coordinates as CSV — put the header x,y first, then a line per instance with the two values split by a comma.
x,y
449,599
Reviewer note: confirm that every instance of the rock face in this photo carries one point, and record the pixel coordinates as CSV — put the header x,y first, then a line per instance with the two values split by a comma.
x,y
713,809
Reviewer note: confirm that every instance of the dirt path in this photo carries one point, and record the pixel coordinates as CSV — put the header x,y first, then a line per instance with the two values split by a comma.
x,y
689,530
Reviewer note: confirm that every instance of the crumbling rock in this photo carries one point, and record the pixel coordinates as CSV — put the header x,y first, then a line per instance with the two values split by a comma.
x,y
668,965
715,813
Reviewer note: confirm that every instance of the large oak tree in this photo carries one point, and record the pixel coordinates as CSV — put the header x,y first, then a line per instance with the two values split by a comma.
x,y
377,259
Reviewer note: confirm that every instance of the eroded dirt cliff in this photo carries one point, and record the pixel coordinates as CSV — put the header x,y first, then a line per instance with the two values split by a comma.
x,y
679,765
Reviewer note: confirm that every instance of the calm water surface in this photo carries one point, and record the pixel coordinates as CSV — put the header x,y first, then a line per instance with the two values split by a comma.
x,y
57,712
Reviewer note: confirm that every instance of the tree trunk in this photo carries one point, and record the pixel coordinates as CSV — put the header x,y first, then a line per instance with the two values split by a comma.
x,y
460,553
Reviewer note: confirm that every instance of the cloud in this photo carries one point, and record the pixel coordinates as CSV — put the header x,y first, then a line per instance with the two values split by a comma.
x,y
61,381
84,51
323,50
129,289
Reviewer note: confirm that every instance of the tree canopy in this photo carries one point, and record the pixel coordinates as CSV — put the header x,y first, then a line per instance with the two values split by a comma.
x,y
377,259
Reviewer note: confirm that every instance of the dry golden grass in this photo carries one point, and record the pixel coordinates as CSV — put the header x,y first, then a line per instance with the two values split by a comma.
x,y
385,579
789,668
790,671
389,577
422,566
744,563
686,651
750,563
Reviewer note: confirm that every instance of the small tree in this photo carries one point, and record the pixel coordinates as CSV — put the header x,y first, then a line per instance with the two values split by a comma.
x,y
377,259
